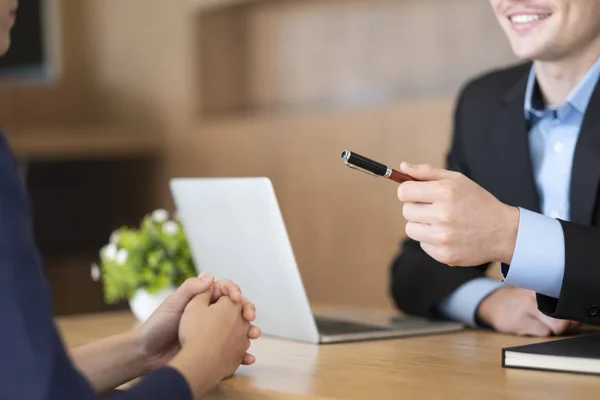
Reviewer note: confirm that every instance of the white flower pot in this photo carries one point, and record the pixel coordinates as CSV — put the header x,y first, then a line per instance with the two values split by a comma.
x,y
143,303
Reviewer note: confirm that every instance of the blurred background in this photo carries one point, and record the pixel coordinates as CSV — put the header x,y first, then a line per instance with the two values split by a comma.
x,y
104,100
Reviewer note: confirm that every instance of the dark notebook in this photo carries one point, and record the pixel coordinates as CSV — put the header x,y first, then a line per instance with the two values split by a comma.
x,y
579,355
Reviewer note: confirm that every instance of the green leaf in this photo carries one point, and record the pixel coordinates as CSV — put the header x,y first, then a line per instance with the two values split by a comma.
x,y
158,256
120,281
167,268
161,282
132,240
154,258
148,277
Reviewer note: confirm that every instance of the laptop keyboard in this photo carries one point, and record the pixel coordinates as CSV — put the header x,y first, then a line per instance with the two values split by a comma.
x,y
328,326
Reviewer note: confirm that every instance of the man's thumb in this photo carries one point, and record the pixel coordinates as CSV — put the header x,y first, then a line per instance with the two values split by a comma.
x,y
422,172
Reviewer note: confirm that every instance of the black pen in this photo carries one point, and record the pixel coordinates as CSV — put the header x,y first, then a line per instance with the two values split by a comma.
x,y
366,165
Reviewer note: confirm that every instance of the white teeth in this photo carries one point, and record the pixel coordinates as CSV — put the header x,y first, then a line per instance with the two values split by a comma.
x,y
526,18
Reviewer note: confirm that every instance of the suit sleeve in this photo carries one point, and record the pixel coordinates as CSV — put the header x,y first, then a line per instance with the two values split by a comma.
x,y
580,292
165,383
418,282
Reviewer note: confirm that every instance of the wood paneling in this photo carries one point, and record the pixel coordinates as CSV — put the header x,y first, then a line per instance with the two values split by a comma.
x,y
143,61
310,77
279,88
287,54
378,77
83,142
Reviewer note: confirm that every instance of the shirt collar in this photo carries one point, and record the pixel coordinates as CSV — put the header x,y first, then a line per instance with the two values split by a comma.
x,y
579,97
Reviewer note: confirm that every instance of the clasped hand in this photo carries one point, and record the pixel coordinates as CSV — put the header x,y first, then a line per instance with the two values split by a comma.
x,y
160,335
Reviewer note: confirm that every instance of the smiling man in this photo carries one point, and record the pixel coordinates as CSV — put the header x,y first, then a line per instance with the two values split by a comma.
x,y
521,186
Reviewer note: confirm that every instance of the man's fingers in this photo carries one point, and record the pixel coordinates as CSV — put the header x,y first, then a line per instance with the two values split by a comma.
x,y
419,192
191,288
424,172
534,327
419,212
248,359
442,254
420,232
229,289
557,326
574,324
254,332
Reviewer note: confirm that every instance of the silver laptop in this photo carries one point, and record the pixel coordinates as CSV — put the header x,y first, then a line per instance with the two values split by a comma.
x,y
236,231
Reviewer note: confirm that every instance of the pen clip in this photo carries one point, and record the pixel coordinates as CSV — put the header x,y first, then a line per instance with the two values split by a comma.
x,y
360,169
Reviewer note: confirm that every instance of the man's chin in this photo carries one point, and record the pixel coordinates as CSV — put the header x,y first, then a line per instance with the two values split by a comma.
x,y
533,52
538,47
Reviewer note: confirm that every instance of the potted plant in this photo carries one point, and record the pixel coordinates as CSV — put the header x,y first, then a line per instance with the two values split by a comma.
x,y
146,264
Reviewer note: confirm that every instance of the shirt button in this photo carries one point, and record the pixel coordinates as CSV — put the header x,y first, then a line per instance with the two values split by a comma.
x,y
559,147
554,214
593,311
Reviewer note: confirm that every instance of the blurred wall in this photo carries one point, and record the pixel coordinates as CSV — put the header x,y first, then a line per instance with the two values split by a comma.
x,y
255,88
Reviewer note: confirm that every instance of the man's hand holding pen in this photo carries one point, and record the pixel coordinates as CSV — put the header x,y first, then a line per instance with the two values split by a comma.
x,y
456,221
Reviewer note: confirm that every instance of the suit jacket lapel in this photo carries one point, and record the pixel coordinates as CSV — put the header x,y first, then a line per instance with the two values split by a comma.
x,y
585,174
513,148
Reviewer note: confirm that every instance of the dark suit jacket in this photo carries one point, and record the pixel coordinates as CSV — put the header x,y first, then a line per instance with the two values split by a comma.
x,y
33,360
490,146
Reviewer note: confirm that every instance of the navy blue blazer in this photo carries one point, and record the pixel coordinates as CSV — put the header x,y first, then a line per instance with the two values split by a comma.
x,y
33,361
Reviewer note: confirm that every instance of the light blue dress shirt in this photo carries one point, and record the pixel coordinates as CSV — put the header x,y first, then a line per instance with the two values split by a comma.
x,y
538,261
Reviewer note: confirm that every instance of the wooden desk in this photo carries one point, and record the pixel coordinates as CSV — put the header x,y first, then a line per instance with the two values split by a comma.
x,y
463,365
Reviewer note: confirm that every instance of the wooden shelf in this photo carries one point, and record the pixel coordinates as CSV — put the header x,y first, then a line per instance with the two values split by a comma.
x,y
73,290
83,142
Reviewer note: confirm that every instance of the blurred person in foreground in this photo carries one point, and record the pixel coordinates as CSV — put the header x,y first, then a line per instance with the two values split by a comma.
x,y
521,186
196,338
